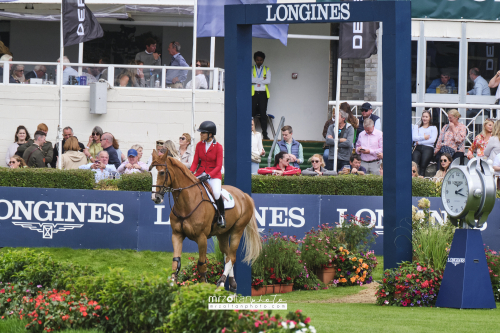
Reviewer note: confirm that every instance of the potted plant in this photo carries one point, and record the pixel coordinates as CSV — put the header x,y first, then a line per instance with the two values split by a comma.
x,y
258,286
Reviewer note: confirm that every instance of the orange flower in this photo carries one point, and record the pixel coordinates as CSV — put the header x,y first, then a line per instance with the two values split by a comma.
x,y
360,260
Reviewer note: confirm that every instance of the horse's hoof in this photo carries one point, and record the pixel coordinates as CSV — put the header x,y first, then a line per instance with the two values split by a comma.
x,y
222,281
232,284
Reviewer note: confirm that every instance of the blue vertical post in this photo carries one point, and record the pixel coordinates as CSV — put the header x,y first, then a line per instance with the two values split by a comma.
x,y
237,118
396,42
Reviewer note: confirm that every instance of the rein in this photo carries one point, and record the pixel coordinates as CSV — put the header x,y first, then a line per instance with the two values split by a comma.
x,y
164,188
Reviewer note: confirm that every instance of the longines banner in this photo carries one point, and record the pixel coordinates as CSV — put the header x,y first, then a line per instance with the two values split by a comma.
x,y
453,9
85,219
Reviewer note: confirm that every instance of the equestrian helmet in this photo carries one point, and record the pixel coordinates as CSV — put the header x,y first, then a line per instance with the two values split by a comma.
x,y
208,127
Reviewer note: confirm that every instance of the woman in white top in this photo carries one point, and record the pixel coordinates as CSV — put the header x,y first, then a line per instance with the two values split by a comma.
x,y
424,136
493,147
21,137
200,81
184,152
257,149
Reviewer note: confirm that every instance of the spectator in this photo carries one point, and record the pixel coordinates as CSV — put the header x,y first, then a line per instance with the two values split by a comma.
x,y
281,166
100,167
496,167
46,148
326,148
107,145
318,167
34,154
290,146
18,73
159,146
140,151
172,150
424,137
125,79
494,82
261,78
367,113
103,70
257,149
116,145
481,141
67,71
452,137
132,164
95,72
72,157
346,137
87,72
4,49
140,80
493,147
94,145
414,170
6,57
21,137
184,153
444,164
381,169
480,88
200,78
149,57
175,77
67,133
37,73
445,81
16,162
354,166
369,145
351,119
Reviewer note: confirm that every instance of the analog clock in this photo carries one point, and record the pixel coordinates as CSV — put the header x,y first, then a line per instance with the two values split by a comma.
x,y
456,191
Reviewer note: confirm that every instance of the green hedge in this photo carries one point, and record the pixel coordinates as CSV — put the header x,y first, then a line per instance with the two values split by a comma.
x,y
47,178
369,185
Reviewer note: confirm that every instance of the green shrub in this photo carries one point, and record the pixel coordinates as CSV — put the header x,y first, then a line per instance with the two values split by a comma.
x,y
354,232
135,306
135,182
190,273
47,178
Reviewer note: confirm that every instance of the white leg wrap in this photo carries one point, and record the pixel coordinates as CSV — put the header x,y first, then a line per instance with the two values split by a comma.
x,y
227,268
231,274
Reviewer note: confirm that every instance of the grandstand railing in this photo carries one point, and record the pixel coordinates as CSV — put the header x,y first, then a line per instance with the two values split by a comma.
x,y
215,76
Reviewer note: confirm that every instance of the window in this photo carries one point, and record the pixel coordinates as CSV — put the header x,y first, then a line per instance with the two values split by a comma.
x,y
485,57
442,67
414,56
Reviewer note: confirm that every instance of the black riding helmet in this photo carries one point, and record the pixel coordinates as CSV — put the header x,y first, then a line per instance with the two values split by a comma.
x,y
208,127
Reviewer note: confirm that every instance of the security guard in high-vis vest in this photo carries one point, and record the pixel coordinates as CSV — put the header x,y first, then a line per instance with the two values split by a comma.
x,y
261,77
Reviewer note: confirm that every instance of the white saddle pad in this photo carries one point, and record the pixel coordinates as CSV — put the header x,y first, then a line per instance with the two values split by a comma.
x,y
228,198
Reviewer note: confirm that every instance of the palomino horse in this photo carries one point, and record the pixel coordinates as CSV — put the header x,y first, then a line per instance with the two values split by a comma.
x,y
193,216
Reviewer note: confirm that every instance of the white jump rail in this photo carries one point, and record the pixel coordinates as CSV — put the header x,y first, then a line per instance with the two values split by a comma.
x,y
218,85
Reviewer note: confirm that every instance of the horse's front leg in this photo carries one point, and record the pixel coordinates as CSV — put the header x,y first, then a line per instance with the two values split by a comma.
x,y
177,240
202,259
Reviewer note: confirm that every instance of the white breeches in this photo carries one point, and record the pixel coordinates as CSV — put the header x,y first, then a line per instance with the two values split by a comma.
x,y
215,184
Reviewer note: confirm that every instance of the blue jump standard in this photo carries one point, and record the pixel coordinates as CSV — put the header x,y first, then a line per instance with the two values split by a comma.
x,y
466,282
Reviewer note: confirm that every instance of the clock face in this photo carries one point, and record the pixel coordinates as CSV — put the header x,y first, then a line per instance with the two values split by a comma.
x,y
455,192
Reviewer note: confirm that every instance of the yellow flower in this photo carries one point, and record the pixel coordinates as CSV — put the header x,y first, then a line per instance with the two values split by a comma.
x,y
341,248
424,203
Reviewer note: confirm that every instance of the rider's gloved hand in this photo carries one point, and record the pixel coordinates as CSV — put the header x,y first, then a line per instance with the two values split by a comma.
x,y
204,178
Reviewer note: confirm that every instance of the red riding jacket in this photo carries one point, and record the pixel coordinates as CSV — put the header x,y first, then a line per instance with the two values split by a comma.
x,y
211,160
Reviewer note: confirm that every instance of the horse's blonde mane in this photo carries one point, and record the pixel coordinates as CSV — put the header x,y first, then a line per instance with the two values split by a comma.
x,y
182,168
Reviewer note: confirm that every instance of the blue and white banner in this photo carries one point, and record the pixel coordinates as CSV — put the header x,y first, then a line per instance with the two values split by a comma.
x,y
86,219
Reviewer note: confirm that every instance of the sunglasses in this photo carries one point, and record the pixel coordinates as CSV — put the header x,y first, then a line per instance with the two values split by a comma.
x,y
12,162
182,138
315,161
197,65
363,110
159,143
94,134
444,161
287,160
19,70
413,171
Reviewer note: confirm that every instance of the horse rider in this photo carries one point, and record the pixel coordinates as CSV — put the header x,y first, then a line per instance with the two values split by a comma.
x,y
208,154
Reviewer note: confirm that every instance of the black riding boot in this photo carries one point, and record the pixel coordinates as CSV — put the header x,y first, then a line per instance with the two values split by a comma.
x,y
222,215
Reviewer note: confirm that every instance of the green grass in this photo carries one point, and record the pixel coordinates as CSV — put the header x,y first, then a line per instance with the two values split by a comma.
x,y
17,326
134,262
336,317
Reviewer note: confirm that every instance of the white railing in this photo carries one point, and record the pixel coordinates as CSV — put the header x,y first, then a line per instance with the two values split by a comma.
x,y
213,72
485,112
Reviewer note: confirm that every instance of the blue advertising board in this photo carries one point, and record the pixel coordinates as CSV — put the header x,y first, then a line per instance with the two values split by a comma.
x,y
86,219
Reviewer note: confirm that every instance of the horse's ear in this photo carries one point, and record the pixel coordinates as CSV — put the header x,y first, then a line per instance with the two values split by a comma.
x,y
155,154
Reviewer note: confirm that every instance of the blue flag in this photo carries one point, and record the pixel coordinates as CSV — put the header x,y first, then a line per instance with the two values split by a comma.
x,y
211,20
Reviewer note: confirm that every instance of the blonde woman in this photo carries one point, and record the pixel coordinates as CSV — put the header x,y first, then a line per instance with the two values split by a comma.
x,y
172,151
493,147
140,151
452,137
481,141
257,149
72,157
318,167
184,153
17,162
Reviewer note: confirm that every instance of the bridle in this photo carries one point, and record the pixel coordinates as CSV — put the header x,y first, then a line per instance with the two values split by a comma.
x,y
164,188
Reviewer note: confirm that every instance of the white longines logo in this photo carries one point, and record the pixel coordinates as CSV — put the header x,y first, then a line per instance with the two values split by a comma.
x,y
456,261
39,216
308,12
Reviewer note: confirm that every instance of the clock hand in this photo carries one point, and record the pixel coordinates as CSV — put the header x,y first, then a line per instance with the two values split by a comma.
x,y
456,192
460,189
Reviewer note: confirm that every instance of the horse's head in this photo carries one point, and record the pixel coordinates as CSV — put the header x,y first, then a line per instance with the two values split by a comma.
x,y
162,179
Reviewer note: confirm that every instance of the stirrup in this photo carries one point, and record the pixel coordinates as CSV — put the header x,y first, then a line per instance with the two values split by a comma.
x,y
221,222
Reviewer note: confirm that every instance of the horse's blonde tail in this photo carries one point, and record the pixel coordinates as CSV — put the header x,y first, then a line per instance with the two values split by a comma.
x,y
253,244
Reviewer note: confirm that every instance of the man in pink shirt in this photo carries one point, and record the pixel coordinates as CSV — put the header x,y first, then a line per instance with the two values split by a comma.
x,y
369,145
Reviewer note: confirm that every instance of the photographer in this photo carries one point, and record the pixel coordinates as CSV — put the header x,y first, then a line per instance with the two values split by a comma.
x,y
100,167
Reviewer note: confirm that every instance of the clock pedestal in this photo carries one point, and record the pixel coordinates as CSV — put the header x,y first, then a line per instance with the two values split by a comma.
x,y
466,282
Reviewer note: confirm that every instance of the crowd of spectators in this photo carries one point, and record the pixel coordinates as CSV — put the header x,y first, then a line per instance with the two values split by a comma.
x,y
102,153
